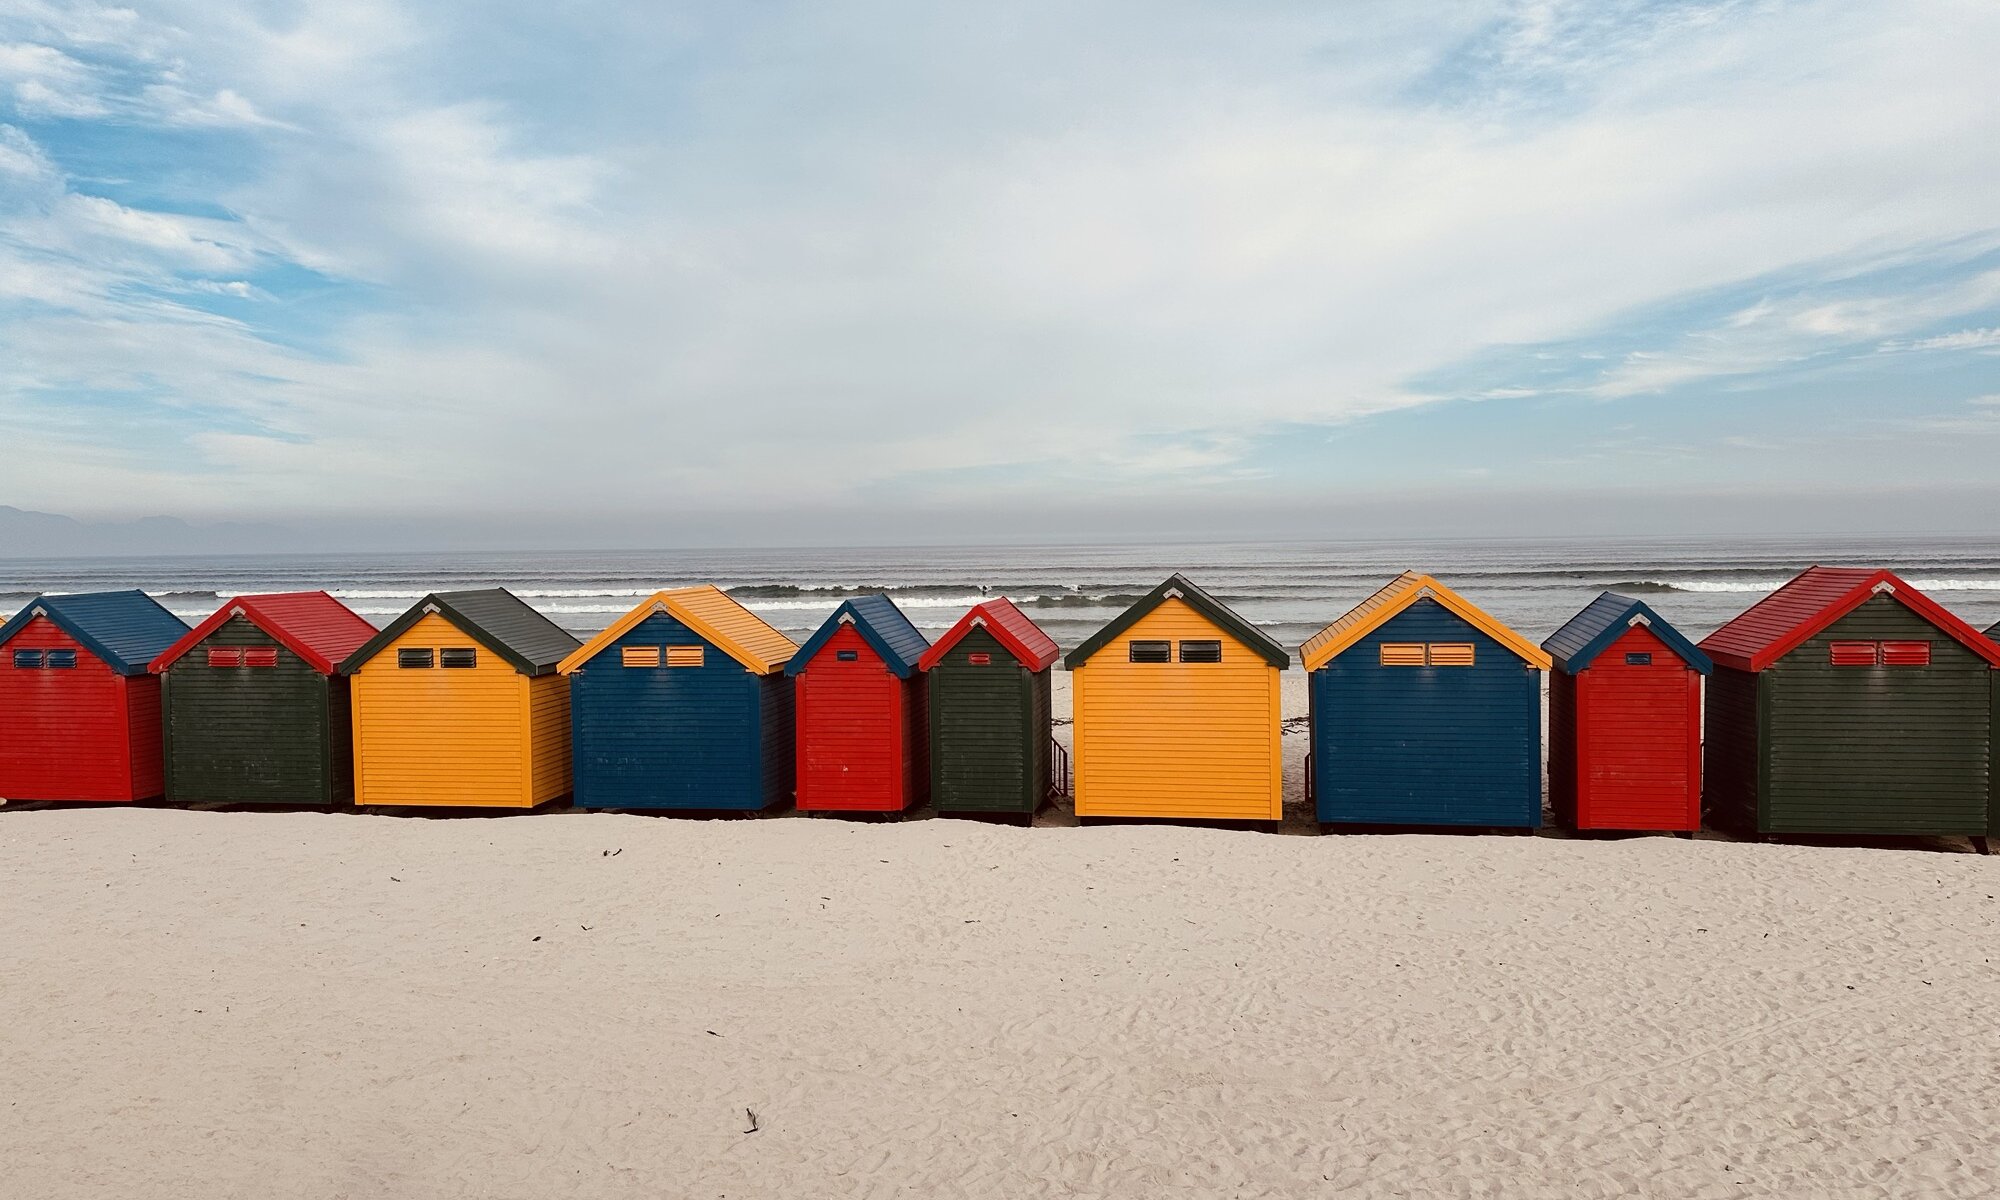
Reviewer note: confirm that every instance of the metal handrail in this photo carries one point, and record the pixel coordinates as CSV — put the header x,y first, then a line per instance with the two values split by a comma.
x,y
1059,777
1310,798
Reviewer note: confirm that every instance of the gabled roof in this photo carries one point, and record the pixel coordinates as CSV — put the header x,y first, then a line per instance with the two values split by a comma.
x,y
1603,621
125,629
494,617
312,625
1178,587
1013,628
1401,592
1816,598
880,623
710,612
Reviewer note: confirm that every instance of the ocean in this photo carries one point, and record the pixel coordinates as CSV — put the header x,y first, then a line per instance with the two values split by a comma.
x,y
1290,589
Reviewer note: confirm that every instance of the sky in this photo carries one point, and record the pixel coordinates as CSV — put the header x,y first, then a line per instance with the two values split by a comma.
x,y
418,274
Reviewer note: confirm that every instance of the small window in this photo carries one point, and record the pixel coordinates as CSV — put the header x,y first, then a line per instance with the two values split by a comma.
x,y
639,656
847,655
1402,654
414,659
1851,654
27,660
61,660
1639,658
261,656
225,656
980,660
1201,652
458,658
1451,654
686,656
1150,652
1894,654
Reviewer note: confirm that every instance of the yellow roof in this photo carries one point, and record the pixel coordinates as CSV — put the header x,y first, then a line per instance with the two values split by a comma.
x,y
1406,589
709,611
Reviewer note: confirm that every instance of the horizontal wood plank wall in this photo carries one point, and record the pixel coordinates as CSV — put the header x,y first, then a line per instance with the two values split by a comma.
x,y
1730,759
548,734
1194,741
1883,750
64,732
776,746
1640,766
142,736
1564,763
667,737
983,743
437,736
246,735
851,730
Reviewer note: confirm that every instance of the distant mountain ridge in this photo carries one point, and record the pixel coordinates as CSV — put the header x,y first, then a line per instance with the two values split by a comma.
x,y
28,534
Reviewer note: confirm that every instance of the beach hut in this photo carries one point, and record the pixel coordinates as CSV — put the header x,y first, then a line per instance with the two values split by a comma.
x,y
1848,701
988,679
860,700
1425,711
253,711
79,712
1177,712
458,703
1624,719
682,703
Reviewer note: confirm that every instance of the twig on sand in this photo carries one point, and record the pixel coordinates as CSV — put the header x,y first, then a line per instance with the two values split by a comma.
x,y
752,1114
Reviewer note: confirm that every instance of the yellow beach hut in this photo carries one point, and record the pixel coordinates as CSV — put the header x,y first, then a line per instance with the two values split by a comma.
x,y
458,703
1177,712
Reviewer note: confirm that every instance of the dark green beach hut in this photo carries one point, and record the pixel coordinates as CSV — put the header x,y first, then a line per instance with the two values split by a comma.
x,y
989,683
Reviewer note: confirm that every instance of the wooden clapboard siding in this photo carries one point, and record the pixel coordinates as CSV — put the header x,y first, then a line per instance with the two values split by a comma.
x,y
74,733
1732,758
776,746
249,735
1427,745
1176,740
987,744
1878,750
1564,765
437,736
1636,761
854,722
548,737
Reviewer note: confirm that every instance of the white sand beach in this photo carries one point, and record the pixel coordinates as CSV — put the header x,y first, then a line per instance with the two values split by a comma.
x,y
237,1004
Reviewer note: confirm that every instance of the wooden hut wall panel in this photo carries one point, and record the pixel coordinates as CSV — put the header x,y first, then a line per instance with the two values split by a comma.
x,y
914,739
851,730
1879,749
1193,741
548,732
1641,749
244,734
1428,745
1730,756
1563,762
777,745
670,737
982,728
142,736
1041,723
440,736
65,734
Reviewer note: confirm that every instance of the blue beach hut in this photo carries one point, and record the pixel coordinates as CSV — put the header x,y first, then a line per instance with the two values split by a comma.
x,y
683,703
1425,711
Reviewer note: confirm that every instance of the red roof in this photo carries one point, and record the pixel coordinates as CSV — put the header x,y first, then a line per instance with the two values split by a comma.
x,y
312,625
1776,625
1023,638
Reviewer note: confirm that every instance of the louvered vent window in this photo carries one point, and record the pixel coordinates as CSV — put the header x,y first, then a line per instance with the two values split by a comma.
x,y
225,656
847,655
1426,654
460,658
61,660
980,660
1451,654
1886,654
1402,654
1150,652
1906,654
1201,652
27,660
686,656
261,656
414,659
639,656
1639,658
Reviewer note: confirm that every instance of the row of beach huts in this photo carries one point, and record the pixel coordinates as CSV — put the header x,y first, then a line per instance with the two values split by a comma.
x,y
1847,702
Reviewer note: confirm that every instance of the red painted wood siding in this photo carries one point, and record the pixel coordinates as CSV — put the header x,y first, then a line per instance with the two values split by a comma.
x,y
69,733
854,734
1637,735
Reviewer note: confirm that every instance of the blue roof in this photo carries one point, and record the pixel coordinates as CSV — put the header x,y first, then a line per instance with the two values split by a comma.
x,y
125,629
881,624
1603,621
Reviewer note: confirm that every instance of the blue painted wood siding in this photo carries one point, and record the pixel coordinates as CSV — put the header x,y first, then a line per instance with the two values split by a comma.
x,y
1427,745
677,737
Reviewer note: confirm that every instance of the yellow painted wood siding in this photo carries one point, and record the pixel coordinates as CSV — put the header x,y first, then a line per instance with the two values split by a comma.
x,y
441,737
548,716
1196,741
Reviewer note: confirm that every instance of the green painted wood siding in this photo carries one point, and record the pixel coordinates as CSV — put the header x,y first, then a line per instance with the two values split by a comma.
x,y
989,730
253,735
1882,750
1729,768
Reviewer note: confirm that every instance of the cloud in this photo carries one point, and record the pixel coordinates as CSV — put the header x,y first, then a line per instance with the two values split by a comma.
x,y
1964,339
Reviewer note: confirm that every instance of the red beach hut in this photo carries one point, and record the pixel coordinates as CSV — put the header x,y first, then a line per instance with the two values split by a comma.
x,y
1625,720
860,720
